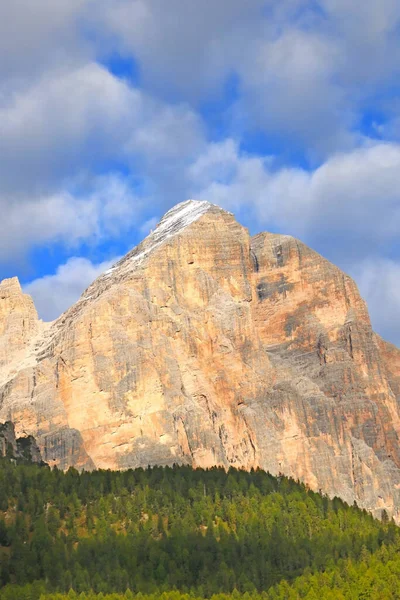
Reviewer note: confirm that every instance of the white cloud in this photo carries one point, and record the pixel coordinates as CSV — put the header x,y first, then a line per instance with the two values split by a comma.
x,y
369,36
54,135
69,120
379,282
66,121
148,226
181,46
166,132
306,69
53,294
288,89
108,208
35,36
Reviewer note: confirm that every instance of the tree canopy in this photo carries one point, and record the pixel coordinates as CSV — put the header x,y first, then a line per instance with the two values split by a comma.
x,y
169,533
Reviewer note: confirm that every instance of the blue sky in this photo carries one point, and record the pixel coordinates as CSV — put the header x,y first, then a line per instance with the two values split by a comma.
x,y
286,113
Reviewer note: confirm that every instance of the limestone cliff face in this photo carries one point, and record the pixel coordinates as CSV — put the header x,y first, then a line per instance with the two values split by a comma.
x,y
206,346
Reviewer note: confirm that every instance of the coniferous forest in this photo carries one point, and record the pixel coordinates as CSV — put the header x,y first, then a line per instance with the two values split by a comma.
x,y
179,534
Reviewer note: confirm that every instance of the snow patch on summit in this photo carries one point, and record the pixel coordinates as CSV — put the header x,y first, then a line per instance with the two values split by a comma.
x,y
175,220
180,216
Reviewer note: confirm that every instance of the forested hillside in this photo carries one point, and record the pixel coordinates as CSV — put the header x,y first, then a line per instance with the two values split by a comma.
x,y
175,531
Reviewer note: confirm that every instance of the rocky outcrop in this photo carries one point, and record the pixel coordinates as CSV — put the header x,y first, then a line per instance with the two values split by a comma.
x,y
23,449
18,321
206,346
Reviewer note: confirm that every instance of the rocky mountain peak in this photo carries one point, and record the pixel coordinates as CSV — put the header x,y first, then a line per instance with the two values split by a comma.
x,y
172,224
18,320
182,215
10,287
205,346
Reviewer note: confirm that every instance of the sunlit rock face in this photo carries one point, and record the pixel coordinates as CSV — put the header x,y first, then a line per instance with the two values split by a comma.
x,y
18,321
205,346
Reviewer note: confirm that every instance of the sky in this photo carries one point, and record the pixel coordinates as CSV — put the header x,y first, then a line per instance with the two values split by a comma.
x,y
285,113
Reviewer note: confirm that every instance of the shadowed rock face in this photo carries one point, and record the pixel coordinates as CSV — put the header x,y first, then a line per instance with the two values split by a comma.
x,y
21,449
208,347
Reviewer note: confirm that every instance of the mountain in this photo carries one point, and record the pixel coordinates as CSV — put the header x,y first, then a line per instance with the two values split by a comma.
x,y
205,346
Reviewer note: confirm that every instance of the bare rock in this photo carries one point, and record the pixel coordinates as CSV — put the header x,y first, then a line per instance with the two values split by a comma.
x,y
20,449
18,320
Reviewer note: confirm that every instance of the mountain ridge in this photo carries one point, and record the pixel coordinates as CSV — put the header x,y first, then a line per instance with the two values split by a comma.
x,y
205,346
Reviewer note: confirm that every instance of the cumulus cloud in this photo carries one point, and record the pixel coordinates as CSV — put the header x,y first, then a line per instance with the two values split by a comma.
x,y
379,282
369,37
305,69
35,37
310,78
70,120
67,120
181,46
107,209
53,294
288,89
55,134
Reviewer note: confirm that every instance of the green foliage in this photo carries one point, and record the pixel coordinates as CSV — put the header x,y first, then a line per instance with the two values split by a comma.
x,y
204,533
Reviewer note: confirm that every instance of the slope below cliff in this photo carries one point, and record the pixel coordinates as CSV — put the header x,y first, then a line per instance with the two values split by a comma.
x,y
205,346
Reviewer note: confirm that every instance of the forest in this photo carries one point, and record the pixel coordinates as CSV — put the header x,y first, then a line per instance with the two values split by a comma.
x,y
177,533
